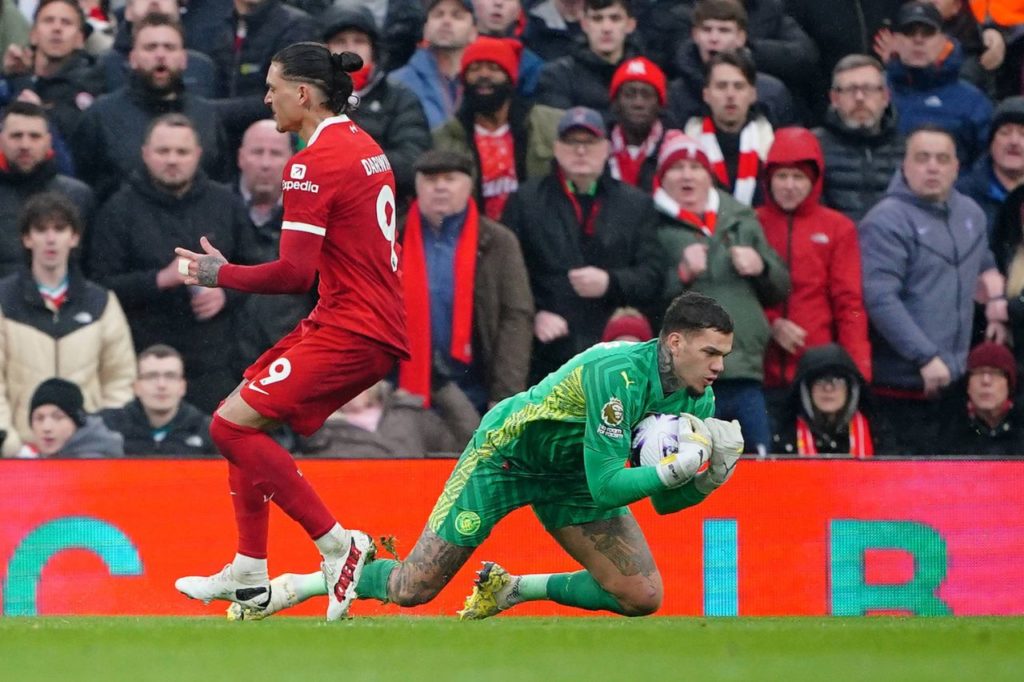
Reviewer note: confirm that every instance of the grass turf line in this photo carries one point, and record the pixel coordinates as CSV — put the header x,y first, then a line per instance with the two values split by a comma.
x,y
436,649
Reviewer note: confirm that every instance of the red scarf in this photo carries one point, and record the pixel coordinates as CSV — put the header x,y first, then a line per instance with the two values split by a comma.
x,y
623,165
588,221
749,162
414,373
704,222
861,446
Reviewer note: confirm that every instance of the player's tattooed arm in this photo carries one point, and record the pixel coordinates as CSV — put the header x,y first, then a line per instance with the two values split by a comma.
x,y
670,383
207,268
621,542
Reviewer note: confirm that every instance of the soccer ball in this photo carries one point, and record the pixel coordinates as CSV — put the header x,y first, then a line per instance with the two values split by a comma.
x,y
654,438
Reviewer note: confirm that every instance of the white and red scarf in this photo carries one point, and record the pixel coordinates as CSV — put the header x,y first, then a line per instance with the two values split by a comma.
x,y
861,446
749,162
625,162
705,222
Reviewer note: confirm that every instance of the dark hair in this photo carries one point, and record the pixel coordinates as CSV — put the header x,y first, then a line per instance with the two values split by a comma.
x,y
160,351
313,63
49,206
174,121
930,128
23,109
720,10
598,5
738,58
70,3
692,312
154,19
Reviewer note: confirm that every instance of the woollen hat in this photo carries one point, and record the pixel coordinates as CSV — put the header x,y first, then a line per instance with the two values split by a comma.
x,y
62,393
635,325
678,146
997,356
500,51
643,70
1010,110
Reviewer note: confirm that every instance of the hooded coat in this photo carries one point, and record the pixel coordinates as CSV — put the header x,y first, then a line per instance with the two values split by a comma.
x,y
820,248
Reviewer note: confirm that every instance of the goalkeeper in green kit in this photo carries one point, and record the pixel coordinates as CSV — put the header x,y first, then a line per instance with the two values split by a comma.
x,y
561,447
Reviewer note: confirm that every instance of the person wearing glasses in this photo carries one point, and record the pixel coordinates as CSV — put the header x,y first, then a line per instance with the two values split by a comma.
x,y
589,243
160,421
860,137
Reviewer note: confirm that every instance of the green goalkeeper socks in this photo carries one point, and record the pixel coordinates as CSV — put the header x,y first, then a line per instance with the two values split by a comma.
x,y
373,582
581,590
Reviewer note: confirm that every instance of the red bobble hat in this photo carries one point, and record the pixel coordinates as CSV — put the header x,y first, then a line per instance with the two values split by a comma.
x,y
501,51
643,70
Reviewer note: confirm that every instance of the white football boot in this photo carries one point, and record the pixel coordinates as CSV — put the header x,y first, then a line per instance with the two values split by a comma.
x,y
282,596
342,574
223,585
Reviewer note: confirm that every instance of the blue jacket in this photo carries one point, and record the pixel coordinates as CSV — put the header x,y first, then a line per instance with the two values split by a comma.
x,y
920,263
981,184
936,95
422,76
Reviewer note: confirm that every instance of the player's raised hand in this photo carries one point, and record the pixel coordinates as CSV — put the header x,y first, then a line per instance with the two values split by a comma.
x,y
200,268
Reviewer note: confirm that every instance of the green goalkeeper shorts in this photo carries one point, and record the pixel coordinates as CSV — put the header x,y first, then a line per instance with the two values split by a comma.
x,y
482,491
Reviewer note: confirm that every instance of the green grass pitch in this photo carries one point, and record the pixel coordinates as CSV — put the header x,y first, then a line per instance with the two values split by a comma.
x,y
879,649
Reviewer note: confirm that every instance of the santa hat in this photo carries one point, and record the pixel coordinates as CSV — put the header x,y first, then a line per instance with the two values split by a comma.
x,y
642,70
501,51
677,146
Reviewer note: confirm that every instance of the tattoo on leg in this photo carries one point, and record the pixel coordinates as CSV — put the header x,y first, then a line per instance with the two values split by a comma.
x,y
623,544
430,566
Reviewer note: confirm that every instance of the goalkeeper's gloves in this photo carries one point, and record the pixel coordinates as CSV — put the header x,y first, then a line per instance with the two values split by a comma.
x,y
727,446
694,450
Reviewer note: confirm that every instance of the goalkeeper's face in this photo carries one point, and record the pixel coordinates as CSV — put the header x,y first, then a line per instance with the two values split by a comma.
x,y
698,357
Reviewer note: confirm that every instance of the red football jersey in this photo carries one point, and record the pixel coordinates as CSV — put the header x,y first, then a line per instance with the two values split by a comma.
x,y
341,187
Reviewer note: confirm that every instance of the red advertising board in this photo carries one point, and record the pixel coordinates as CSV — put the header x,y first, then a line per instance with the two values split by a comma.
x,y
782,538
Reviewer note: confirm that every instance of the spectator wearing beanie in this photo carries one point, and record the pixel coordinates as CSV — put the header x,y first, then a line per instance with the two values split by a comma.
x,y
638,106
505,19
1001,169
389,111
627,324
984,419
717,248
508,138
61,428
820,248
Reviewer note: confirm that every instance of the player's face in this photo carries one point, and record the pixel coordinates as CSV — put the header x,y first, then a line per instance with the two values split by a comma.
x,y
261,160
606,29
284,99
715,35
449,26
160,385
729,96
159,57
688,183
442,194
57,31
829,394
50,243
699,357
860,96
789,188
495,17
352,40
930,165
51,429
171,155
25,141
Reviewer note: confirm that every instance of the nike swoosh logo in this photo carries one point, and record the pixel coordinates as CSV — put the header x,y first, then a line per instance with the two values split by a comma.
x,y
248,593
256,388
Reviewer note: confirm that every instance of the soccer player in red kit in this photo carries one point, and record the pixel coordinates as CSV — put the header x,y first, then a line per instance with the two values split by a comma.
x,y
339,219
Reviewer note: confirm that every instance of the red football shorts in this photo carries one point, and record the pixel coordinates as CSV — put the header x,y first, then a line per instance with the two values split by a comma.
x,y
313,371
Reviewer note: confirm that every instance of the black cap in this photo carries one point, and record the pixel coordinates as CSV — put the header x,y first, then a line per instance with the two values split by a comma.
x,y
1010,110
431,4
343,15
918,13
444,161
62,393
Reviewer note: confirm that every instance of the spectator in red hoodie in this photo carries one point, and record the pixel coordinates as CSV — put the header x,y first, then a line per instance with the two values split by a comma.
x,y
820,248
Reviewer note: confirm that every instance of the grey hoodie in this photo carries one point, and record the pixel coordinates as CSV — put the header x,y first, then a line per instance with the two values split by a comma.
x,y
93,440
921,261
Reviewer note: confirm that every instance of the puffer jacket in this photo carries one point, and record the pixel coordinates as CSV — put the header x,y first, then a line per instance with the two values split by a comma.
x,y
88,342
820,248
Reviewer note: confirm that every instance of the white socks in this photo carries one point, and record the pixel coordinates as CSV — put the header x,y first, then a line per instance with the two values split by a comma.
x,y
250,571
335,543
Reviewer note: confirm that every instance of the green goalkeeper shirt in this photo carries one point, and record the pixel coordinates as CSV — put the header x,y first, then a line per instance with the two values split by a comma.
x,y
578,421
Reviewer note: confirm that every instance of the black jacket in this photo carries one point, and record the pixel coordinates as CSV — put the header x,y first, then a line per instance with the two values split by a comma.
x,y
16,188
547,33
393,116
624,243
271,27
858,164
107,143
964,434
686,92
67,93
580,79
188,433
138,229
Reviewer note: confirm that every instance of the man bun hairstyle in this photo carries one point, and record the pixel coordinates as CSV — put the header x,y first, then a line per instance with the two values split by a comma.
x,y
313,63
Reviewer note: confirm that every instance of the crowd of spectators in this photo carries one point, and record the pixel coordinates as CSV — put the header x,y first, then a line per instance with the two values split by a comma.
x,y
846,179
